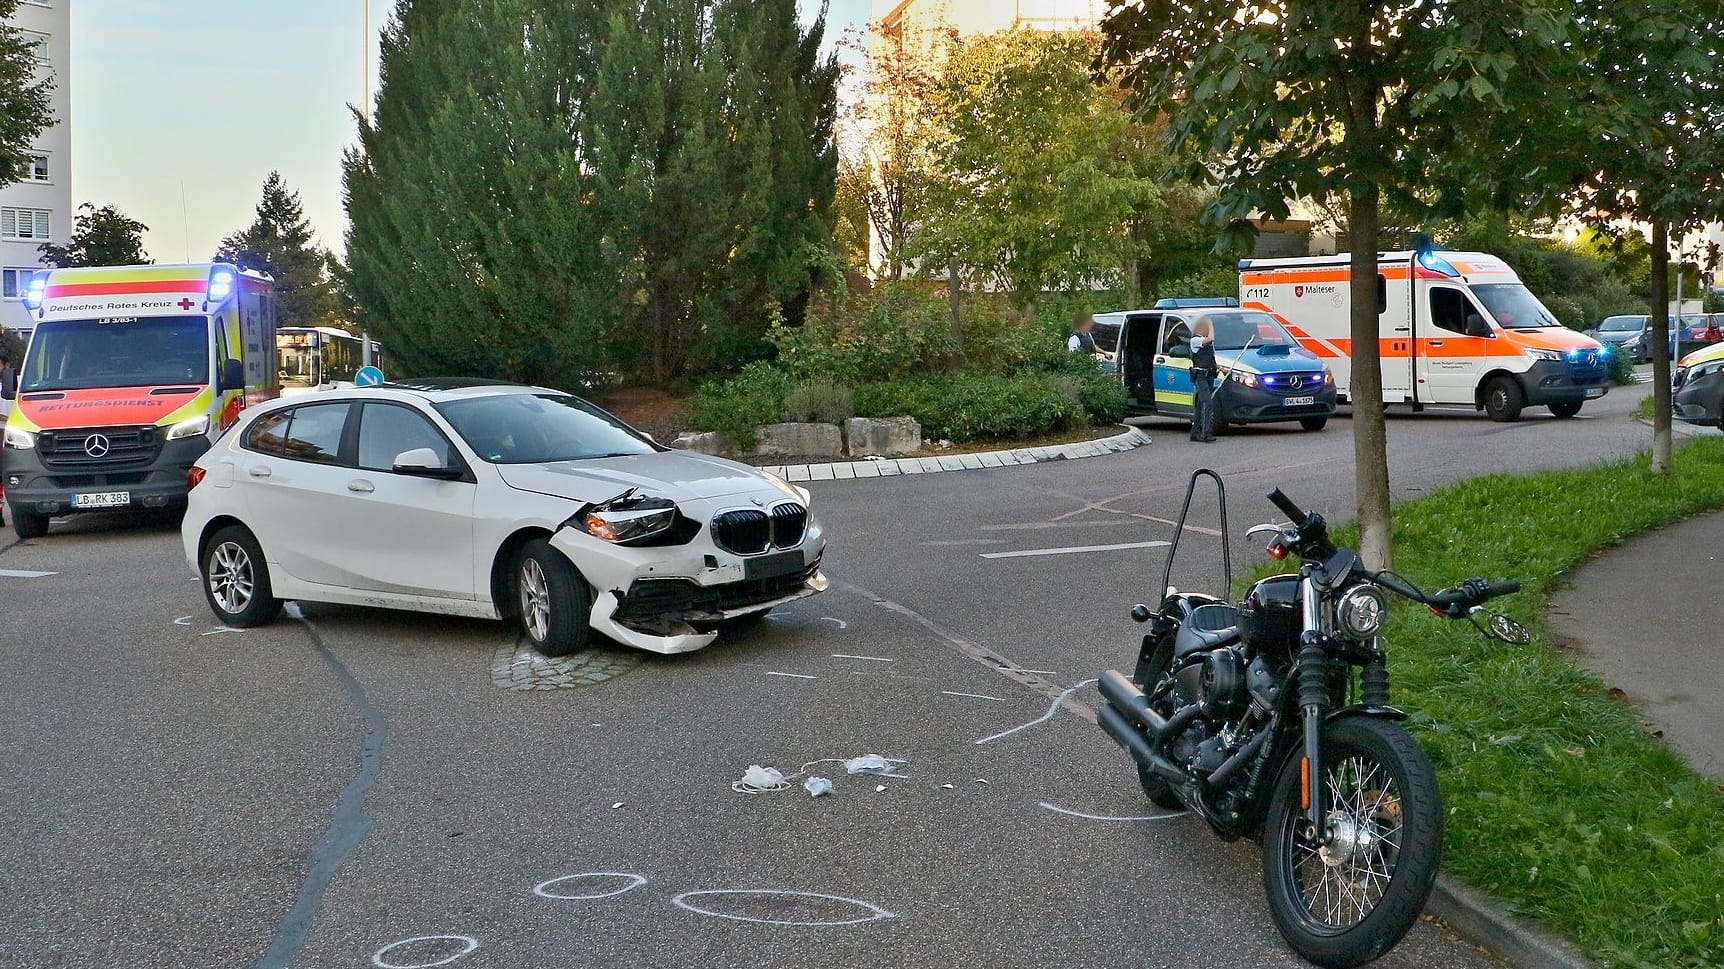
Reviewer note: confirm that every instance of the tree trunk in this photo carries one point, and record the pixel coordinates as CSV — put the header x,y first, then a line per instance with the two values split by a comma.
x,y
1370,436
1660,334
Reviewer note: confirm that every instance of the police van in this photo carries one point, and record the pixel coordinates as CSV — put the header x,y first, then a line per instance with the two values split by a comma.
x,y
1266,376
1454,328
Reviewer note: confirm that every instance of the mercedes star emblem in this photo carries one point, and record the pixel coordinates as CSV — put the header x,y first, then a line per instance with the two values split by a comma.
x,y
97,445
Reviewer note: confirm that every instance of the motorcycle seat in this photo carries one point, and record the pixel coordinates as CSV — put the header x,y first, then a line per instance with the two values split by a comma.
x,y
1208,626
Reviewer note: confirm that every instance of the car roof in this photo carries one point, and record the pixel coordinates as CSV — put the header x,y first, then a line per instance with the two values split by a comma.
x,y
434,390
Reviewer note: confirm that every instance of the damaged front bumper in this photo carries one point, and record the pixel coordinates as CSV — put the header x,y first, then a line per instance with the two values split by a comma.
x,y
671,600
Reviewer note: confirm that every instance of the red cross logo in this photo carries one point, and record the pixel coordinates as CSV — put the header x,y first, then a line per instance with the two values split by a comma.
x,y
186,304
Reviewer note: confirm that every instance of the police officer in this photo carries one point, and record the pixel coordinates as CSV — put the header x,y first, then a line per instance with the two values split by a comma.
x,y
1203,381
1082,340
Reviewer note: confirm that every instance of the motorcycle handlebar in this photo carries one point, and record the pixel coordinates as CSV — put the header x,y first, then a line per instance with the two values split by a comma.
x,y
1294,513
1456,601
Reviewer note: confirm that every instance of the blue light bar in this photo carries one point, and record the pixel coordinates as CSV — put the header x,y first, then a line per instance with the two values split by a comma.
x,y
1429,259
34,292
221,284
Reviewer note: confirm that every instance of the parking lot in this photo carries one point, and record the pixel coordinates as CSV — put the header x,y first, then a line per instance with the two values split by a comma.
x,y
362,788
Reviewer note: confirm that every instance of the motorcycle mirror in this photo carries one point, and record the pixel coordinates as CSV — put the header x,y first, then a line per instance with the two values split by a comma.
x,y
1509,631
1140,613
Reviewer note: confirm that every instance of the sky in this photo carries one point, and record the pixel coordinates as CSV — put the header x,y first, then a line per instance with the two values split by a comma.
x,y
181,108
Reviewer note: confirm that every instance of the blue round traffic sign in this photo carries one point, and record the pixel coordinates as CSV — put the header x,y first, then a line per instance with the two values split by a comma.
x,y
368,377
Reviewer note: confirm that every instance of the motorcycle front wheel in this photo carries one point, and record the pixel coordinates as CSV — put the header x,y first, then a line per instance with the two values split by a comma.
x,y
1345,903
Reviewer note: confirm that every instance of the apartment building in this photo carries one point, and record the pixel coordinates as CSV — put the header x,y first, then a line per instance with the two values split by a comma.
x,y
39,208
968,17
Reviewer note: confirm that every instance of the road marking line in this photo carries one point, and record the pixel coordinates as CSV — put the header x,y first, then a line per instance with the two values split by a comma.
x,y
799,676
1019,669
955,543
1102,817
1029,525
1071,550
871,659
1052,709
975,696
24,574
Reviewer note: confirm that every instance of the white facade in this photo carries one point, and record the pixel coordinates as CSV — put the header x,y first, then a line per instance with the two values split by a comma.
x,y
967,17
39,209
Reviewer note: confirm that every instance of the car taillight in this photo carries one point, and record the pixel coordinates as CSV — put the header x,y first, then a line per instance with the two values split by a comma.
x,y
194,474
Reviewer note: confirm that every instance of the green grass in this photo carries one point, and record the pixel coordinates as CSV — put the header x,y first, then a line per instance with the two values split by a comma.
x,y
1558,803
1643,410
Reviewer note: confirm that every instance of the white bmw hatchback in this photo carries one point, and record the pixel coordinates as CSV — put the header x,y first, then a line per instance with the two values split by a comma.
x,y
497,501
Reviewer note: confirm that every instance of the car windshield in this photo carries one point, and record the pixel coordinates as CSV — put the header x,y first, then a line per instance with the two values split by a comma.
x,y
1235,331
118,351
1514,306
536,428
1631,324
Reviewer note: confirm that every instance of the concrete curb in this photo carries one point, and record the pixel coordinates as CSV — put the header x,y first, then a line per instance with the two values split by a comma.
x,y
890,467
1481,921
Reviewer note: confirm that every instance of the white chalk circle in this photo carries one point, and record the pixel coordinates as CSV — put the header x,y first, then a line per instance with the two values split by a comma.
x,y
468,944
543,889
786,902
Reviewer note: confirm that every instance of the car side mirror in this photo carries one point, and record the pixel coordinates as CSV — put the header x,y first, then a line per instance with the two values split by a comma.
x,y
232,375
424,463
1181,350
1476,325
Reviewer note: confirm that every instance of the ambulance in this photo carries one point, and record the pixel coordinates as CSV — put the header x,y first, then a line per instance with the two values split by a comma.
x,y
1455,329
131,374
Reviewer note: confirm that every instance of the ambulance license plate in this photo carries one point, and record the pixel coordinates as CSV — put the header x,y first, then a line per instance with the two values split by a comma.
x,y
103,499
1595,391
1300,401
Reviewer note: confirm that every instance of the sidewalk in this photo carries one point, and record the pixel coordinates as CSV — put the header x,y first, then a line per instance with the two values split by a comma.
x,y
1645,617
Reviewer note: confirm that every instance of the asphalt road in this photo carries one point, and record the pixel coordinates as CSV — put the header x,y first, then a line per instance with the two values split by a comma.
x,y
318,792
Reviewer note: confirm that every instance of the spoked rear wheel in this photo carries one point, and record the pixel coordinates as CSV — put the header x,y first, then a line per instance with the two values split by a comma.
x,y
1346,902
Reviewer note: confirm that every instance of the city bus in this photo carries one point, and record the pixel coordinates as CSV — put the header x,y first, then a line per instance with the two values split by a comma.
x,y
314,357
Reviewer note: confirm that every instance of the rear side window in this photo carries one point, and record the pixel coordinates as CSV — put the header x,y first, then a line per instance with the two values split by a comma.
x,y
310,433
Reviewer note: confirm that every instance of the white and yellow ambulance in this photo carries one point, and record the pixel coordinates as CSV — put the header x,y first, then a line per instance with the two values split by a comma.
x,y
1455,329
131,374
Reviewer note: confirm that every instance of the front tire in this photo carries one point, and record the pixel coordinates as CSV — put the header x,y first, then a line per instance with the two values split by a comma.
x,y
236,579
1504,400
553,600
1566,408
1347,903
1313,423
28,524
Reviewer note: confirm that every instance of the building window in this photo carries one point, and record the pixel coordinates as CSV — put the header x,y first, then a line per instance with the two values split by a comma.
x,y
14,282
36,170
38,45
26,225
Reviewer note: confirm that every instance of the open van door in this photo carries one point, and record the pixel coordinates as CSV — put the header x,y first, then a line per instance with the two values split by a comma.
x,y
1173,387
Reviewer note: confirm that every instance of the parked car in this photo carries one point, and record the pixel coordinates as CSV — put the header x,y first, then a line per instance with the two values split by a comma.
x,y
496,501
1697,387
1627,335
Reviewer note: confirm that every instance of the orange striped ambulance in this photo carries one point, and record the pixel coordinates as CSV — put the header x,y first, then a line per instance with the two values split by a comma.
x,y
1457,329
131,374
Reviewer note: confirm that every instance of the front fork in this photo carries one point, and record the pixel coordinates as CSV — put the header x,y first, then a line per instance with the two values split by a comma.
x,y
1313,698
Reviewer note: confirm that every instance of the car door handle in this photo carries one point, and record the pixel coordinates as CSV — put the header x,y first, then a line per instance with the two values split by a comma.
x,y
257,471
1160,359
360,487
1436,343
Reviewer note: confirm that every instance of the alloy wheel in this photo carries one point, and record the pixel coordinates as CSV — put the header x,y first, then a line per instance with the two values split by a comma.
x,y
230,577
535,600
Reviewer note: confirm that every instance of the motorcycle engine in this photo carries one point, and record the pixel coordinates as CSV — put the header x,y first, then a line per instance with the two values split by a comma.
x,y
1218,687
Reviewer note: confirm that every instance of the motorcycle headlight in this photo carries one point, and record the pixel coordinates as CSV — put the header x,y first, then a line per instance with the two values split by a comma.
x,y
19,439
1538,354
192,428
1361,612
627,521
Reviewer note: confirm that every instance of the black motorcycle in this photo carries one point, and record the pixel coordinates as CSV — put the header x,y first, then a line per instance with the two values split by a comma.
x,y
1271,720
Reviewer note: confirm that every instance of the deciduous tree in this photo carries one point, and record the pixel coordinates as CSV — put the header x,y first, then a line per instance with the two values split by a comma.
x,y
1645,141
1038,169
1430,106
25,110
100,237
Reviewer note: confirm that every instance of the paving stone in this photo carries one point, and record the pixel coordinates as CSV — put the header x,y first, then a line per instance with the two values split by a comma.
x,y
969,462
844,472
991,459
866,469
798,473
910,465
820,472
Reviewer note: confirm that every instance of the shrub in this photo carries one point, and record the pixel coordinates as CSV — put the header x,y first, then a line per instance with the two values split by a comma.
x,y
1218,281
819,401
1621,370
898,330
734,407
973,406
